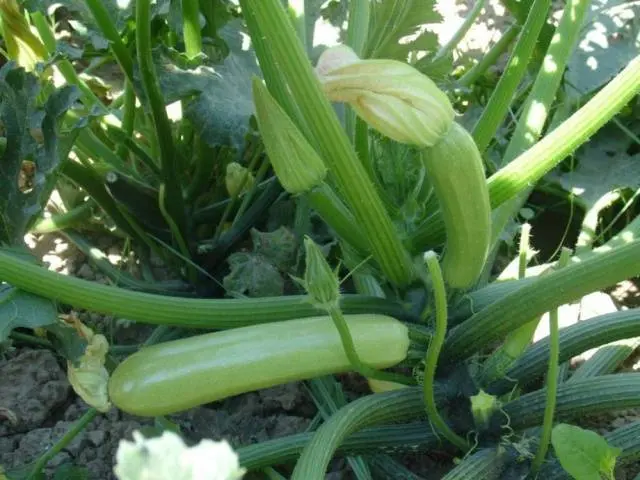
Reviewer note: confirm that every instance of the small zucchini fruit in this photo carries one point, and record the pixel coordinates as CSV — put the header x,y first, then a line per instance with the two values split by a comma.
x,y
456,171
177,375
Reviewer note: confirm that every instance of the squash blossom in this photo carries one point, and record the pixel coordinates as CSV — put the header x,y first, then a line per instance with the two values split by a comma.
x,y
88,375
238,179
320,281
23,46
391,96
298,166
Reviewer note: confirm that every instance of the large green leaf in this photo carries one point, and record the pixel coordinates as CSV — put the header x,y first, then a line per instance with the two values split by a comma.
x,y
393,21
31,133
584,454
22,309
221,103
604,164
609,40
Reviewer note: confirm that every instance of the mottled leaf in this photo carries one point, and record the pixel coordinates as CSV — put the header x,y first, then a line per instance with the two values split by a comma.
x,y
220,104
278,246
32,134
603,164
608,41
253,275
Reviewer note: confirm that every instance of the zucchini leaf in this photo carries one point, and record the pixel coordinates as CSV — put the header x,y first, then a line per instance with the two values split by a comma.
x,y
31,132
584,454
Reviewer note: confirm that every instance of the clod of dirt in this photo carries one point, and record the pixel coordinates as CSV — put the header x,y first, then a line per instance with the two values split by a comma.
x,y
33,386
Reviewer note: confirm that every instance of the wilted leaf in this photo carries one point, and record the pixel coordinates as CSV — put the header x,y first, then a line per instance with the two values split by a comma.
x,y
22,309
584,454
31,133
278,246
254,275
603,165
609,40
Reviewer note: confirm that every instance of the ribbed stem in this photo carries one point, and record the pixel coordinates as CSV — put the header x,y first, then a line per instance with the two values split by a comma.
x,y
330,139
398,405
162,310
539,296
392,438
573,341
607,393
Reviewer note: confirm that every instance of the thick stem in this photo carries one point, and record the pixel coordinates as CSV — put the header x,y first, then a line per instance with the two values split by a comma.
x,y
164,310
191,27
549,291
330,139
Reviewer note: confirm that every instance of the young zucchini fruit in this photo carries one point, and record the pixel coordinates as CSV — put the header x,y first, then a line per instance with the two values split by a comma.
x,y
177,375
455,169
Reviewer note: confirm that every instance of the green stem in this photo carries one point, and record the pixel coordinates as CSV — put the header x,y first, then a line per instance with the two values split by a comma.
x,y
66,439
191,27
128,118
498,105
533,164
490,58
435,346
471,17
164,135
357,34
177,235
549,291
164,310
330,139
109,30
537,161
367,411
523,253
65,66
79,214
326,202
552,380
353,357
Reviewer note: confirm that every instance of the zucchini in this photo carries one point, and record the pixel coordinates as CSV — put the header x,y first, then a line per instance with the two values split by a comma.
x,y
174,376
455,169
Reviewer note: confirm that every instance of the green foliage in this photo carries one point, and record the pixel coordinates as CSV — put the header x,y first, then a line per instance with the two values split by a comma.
x,y
610,39
602,165
19,309
259,273
583,453
391,21
32,134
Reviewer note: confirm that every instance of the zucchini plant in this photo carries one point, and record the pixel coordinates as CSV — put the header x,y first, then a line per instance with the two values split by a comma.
x,y
369,140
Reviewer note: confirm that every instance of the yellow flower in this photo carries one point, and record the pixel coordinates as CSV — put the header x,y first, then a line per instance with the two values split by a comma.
x,y
88,376
23,46
238,179
391,96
